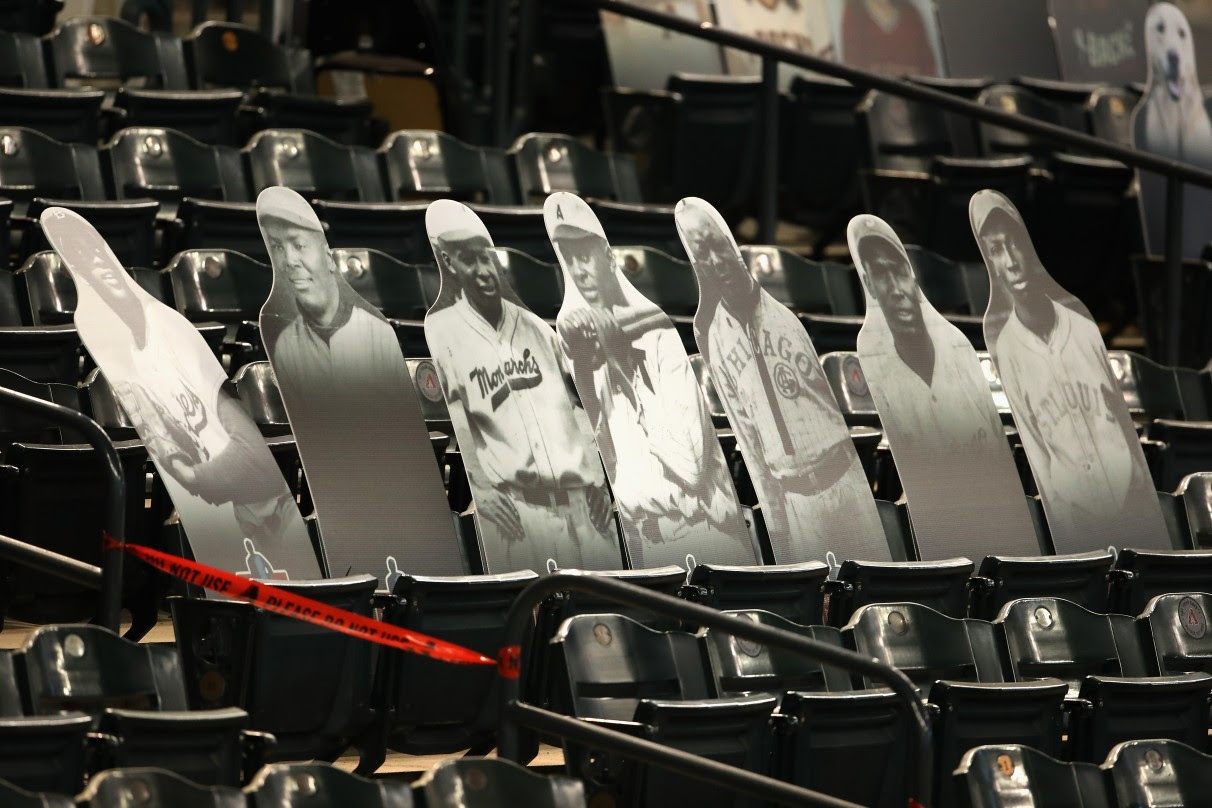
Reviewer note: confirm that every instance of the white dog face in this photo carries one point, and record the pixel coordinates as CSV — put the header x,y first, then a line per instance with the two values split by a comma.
x,y
1171,50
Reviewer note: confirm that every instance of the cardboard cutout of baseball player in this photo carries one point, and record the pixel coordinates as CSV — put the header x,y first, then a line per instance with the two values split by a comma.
x,y
642,56
536,479
1100,41
936,410
670,481
802,25
227,488
1083,449
812,488
1172,121
353,410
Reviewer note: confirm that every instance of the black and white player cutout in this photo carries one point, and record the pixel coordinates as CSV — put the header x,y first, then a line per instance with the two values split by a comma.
x,y
1083,449
352,407
962,487
535,477
814,494
665,465
1172,121
228,491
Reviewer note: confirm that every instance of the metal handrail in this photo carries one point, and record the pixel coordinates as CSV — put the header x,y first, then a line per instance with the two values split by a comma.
x,y
514,713
109,577
915,92
1175,172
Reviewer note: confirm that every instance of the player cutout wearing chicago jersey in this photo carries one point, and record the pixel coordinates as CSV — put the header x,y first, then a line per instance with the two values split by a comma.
x,y
811,486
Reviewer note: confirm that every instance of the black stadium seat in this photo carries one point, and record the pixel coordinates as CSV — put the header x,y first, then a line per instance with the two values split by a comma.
x,y
312,785
422,164
118,788
20,798
492,783
1158,772
652,684
313,165
1100,658
546,163
395,228
1000,776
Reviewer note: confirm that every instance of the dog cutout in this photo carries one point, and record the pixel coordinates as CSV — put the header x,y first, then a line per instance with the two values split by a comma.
x,y
1171,120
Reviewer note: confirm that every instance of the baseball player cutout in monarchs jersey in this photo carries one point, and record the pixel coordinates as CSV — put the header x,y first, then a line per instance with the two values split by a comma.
x,y
536,479
227,488
962,487
812,488
353,410
1083,449
665,465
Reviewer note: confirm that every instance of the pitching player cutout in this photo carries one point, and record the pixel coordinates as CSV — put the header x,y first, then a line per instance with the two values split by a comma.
x,y
1171,121
536,479
1083,449
962,488
814,494
233,503
354,413
665,465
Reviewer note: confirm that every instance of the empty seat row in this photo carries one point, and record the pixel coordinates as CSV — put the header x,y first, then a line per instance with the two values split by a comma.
x,y
1147,773
221,82
204,193
466,783
1045,673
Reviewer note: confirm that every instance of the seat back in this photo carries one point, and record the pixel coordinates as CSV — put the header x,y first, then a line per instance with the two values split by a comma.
x,y
317,785
395,228
1174,632
45,754
539,284
88,668
741,667
546,163
15,797
613,663
257,389
716,115
926,645
219,285
944,282
393,287
313,165
1054,637
902,135
32,164
1158,773
50,289
21,63
119,788
1110,109
128,227
997,141
1012,775
519,228
228,54
663,279
491,782
424,164
86,49
167,165
820,147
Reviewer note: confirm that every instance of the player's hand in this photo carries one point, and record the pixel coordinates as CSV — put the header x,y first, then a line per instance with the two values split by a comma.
x,y
499,510
599,507
181,471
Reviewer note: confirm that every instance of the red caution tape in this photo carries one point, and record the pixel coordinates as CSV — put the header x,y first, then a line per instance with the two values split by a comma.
x,y
277,600
509,662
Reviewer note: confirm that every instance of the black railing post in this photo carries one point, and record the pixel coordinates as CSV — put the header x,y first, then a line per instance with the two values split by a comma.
x,y
769,192
110,607
1174,269
519,627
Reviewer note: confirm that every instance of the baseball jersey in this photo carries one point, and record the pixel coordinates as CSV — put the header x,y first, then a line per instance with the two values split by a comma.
x,y
510,383
1084,453
788,424
948,444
